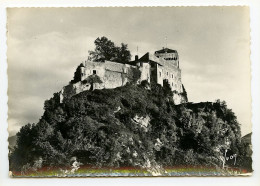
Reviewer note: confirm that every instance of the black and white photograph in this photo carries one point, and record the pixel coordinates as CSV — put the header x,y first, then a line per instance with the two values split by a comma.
x,y
129,92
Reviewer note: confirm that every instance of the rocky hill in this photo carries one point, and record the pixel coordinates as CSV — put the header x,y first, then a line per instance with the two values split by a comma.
x,y
129,126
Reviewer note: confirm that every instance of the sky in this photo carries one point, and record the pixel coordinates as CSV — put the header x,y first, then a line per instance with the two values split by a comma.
x,y
45,45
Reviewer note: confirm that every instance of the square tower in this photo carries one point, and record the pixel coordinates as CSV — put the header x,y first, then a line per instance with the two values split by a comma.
x,y
168,55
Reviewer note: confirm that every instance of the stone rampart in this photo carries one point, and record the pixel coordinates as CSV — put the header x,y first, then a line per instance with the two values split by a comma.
x,y
113,74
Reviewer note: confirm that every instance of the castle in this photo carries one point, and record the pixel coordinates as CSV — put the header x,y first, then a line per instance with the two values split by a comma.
x,y
162,65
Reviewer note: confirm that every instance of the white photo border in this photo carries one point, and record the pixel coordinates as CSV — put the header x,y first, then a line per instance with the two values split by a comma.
x,y
254,6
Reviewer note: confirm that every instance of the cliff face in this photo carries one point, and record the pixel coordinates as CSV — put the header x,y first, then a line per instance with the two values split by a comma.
x,y
127,126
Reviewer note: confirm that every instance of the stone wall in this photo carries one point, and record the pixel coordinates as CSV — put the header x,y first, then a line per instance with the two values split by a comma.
x,y
160,75
93,68
111,74
173,75
114,75
145,69
113,79
73,89
171,70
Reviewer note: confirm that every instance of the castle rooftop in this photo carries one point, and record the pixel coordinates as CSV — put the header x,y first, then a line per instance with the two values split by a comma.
x,y
165,50
150,57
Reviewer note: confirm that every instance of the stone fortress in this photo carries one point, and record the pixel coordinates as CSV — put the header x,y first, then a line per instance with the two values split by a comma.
x,y
162,65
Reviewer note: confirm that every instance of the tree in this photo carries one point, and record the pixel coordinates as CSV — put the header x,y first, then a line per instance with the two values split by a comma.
x,y
92,79
22,153
123,55
167,88
133,75
107,50
77,74
105,128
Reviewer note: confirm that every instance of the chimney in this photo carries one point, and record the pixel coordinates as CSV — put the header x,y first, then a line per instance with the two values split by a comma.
x,y
136,57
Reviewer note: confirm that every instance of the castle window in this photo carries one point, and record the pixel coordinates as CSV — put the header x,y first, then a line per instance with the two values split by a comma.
x,y
94,72
172,84
160,74
172,75
167,73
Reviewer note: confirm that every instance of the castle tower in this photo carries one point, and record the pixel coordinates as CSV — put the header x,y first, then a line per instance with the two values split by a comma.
x,y
168,55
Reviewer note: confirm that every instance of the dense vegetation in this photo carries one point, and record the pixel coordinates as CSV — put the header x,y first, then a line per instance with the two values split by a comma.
x,y
105,49
135,125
